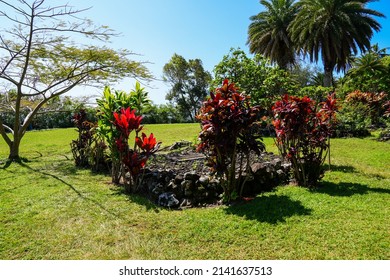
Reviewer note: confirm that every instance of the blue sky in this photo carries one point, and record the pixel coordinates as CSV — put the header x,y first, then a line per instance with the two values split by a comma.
x,y
204,29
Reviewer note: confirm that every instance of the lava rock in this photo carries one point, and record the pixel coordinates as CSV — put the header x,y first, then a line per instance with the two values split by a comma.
x,y
168,200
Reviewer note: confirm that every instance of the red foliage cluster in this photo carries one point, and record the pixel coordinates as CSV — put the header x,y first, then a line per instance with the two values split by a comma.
x,y
302,130
228,129
134,160
127,121
373,99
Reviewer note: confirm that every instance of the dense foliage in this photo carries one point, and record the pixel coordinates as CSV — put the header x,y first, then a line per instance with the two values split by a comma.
x,y
254,76
189,83
229,135
88,150
303,128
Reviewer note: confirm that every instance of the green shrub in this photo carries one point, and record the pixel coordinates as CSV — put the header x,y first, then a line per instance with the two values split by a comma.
x,y
351,121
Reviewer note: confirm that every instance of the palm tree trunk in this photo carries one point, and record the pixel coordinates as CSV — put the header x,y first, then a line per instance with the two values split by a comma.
x,y
328,77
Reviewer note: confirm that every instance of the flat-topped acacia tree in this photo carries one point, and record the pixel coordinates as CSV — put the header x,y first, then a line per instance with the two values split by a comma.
x,y
39,61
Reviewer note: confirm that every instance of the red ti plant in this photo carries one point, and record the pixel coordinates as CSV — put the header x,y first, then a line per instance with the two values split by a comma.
x,y
133,160
228,136
302,131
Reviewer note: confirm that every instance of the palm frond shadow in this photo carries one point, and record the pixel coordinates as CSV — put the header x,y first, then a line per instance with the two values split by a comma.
x,y
270,209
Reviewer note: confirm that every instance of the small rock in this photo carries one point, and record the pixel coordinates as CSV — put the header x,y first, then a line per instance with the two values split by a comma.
x,y
191,176
179,178
167,200
187,184
204,180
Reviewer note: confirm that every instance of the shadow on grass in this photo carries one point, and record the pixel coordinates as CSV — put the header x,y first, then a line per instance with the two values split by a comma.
x,y
136,198
7,162
341,168
346,189
270,209
74,189
351,169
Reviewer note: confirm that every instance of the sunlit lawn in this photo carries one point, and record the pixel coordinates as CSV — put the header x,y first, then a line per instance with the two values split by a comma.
x,y
51,210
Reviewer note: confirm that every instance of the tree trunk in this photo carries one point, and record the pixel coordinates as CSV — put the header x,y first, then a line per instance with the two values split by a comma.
x,y
14,149
328,77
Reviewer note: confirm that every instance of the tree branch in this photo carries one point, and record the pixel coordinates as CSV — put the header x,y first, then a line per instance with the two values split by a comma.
x,y
3,133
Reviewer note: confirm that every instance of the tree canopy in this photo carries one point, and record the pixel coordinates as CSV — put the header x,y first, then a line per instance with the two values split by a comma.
x,y
189,84
39,59
333,30
268,35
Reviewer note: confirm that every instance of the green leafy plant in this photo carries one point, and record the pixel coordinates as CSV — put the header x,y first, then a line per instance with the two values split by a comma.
x,y
88,150
110,103
351,121
228,136
303,128
373,103
81,147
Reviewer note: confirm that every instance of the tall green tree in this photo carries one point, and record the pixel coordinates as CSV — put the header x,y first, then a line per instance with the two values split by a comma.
x,y
41,62
333,30
189,84
248,74
255,76
268,34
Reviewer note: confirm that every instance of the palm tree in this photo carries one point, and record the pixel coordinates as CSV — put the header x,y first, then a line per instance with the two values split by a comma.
x,y
267,33
369,69
334,30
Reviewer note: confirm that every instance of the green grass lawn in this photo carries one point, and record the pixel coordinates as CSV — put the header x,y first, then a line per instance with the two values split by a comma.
x,y
51,210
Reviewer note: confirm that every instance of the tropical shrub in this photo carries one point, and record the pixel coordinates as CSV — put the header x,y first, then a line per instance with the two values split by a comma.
x,y
303,128
385,133
133,159
373,103
386,107
352,121
228,136
88,149
317,93
112,102
81,146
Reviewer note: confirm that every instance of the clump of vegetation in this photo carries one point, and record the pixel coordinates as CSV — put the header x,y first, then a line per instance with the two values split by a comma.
x,y
303,128
134,159
228,136
88,150
107,142
110,103
372,103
